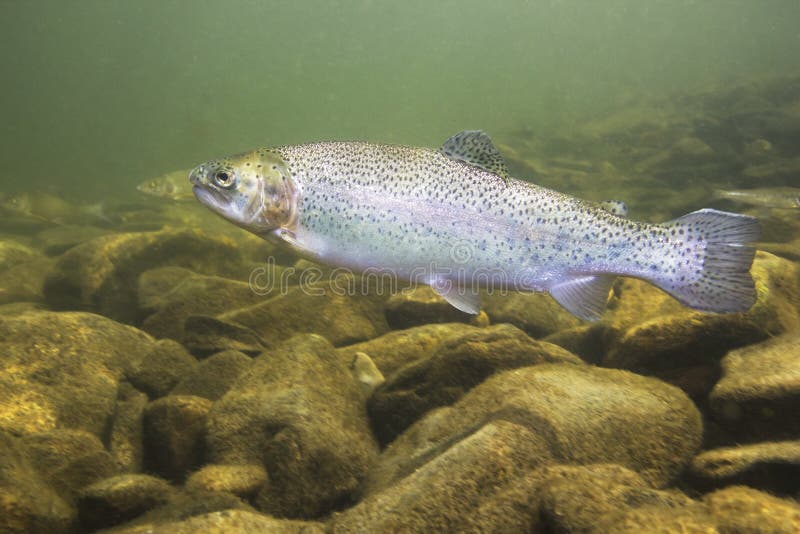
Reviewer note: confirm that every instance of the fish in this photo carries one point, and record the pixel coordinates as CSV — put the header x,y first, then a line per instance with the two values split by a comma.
x,y
171,186
454,220
51,208
765,197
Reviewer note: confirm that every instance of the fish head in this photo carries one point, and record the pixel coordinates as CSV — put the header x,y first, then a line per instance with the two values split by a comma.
x,y
253,190
18,203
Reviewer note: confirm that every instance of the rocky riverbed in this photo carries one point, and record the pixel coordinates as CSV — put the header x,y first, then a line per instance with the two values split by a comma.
x,y
151,381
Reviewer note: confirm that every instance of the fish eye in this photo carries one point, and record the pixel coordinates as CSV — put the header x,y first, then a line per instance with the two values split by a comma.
x,y
224,179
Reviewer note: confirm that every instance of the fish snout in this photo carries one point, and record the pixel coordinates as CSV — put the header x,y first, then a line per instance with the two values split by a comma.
x,y
196,175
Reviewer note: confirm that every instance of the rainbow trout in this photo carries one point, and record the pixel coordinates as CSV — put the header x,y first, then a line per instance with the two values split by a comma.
x,y
454,220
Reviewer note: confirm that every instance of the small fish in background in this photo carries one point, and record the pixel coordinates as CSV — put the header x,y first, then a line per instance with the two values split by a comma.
x,y
764,197
172,186
51,208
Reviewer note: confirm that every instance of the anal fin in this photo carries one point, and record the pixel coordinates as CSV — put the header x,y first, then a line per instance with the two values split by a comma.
x,y
583,296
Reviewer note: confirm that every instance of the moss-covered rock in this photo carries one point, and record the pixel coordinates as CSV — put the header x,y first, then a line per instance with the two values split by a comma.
x,y
585,415
168,295
27,501
398,348
758,396
477,483
162,368
773,466
62,370
101,275
299,412
447,374
118,499
325,309
214,376
174,435
244,481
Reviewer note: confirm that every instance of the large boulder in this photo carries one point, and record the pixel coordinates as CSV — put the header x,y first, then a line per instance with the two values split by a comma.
x,y
584,414
298,411
476,483
447,374
758,396
27,501
62,370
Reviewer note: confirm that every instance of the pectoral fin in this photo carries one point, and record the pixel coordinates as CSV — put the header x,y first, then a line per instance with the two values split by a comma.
x,y
583,296
464,299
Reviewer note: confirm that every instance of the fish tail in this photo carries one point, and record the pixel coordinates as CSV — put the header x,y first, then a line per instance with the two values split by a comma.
x,y
712,261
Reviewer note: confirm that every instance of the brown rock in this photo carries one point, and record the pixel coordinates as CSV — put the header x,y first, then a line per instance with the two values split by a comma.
x,y
161,368
101,275
324,309
244,481
174,435
585,414
772,466
299,412
214,376
62,370
118,499
469,485
758,395
455,368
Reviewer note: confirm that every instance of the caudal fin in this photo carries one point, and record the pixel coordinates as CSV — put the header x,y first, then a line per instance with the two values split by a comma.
x,y
717,245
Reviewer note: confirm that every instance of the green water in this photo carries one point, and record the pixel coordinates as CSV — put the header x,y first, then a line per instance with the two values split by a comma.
x,y
98,95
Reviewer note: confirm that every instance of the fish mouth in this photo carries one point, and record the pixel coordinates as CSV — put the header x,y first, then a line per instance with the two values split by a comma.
x,y
205,196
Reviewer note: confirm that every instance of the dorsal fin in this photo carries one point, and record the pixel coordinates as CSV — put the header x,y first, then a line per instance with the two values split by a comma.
x,y
475,148
615,207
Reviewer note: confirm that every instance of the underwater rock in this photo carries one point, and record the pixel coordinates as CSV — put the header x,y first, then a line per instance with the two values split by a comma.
x,y
299,412
62,370
13,253
27,501
183,506
758,396
398,348
204,335
101,275
59,239
214,376
423,306
585,414
589,341
228,522
778,292
682,348
477,483
174,435
68,460
447,374
169,295
771,466
161,368
243,481
592,498
118,499
366,372
536,314
743,509
25,281
125,437
322,309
